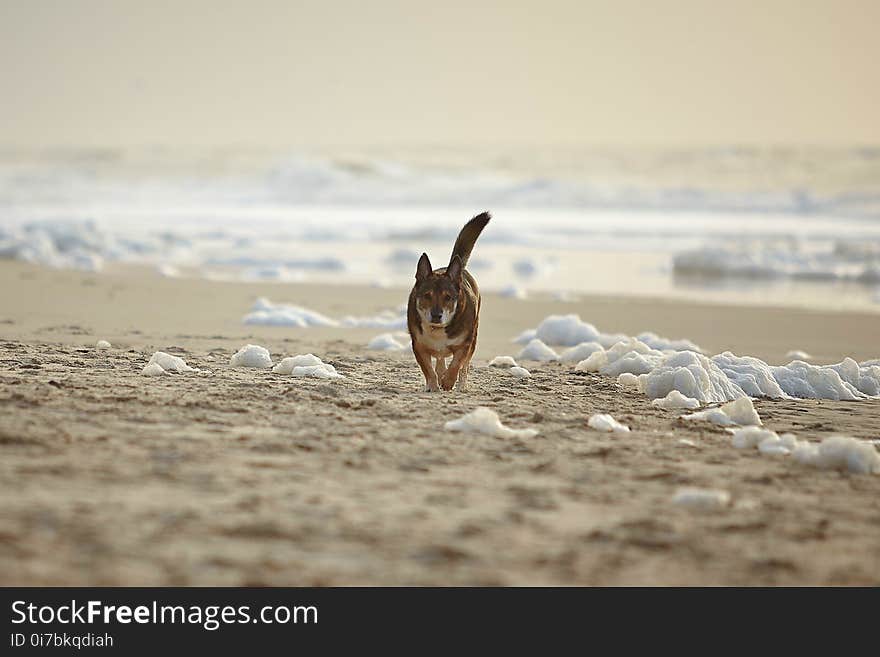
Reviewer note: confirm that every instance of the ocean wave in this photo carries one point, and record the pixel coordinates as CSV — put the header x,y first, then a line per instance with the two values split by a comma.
x,y
840,260
798,183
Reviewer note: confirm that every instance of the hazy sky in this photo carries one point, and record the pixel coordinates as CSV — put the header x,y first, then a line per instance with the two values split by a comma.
x,y
76,72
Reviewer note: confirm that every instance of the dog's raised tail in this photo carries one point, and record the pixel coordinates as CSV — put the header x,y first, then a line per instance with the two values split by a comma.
x,y
466,239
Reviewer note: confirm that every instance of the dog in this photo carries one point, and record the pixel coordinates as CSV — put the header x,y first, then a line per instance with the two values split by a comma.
x,y
443,313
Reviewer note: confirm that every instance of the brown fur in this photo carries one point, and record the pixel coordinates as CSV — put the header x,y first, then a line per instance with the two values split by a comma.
x,y
449,293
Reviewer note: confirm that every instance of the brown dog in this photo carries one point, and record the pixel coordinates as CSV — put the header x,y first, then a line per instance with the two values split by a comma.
x,y
443,313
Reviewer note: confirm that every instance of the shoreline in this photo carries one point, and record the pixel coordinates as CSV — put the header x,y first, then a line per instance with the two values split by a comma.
x,y
119,305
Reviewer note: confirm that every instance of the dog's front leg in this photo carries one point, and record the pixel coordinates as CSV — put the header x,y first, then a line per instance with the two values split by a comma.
x,y
439,367
450,376
423,358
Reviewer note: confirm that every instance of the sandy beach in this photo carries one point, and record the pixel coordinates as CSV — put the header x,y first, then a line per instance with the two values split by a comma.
x,y
246,477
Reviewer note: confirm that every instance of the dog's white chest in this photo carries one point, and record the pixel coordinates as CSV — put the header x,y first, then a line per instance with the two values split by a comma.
x,y
437,341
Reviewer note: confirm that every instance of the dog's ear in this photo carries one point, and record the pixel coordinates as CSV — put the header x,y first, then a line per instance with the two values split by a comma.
x,y
454,269
424,269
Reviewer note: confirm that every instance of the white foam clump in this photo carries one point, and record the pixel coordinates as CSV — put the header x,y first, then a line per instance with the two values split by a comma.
x,y
267,313
102,345
726,376
251,355
839,453
580,352
631,355
571,330
538,351
485,420
385,342
701,499
162,363
389,319
520,372
665,344
629,381
502,361
834,452
865,377
663,365
675,400
526,336
692,374
153,369
846,380
604,422
752,375
592,363
566,330
321,371
747,437
797,354
286,365
306,365
800,379
740,411
778,444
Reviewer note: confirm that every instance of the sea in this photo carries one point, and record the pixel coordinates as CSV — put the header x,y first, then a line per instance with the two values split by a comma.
x,y
779,226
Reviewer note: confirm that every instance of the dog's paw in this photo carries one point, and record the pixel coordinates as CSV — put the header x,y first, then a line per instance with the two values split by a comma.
x,y
432,387
447,382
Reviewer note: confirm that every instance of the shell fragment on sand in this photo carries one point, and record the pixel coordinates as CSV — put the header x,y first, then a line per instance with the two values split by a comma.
x,y
520,372
485,420
102,345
